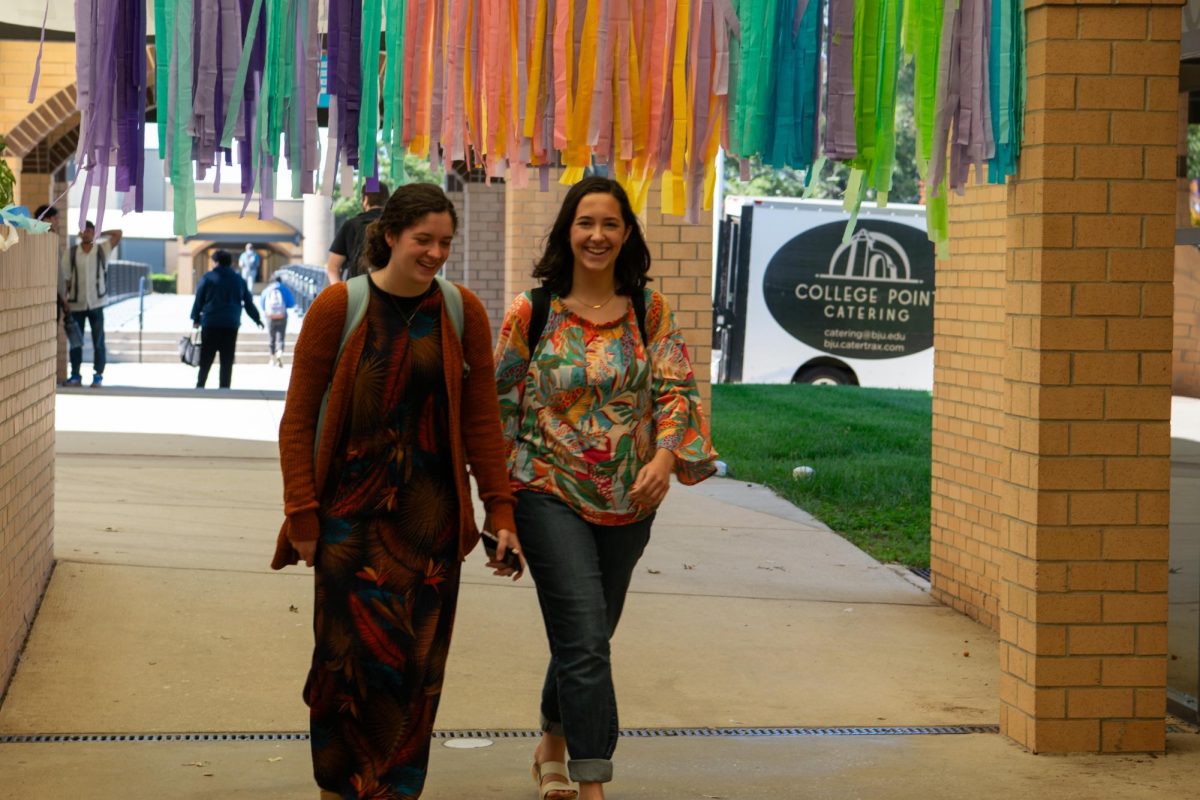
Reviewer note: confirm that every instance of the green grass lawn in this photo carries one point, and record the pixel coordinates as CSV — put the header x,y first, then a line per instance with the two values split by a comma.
x,y
870,449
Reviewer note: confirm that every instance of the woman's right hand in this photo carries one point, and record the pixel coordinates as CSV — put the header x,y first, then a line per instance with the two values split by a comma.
x,y
307,551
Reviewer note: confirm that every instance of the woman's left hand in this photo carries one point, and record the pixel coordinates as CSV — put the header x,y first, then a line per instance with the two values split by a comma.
x,y
653,480
506,541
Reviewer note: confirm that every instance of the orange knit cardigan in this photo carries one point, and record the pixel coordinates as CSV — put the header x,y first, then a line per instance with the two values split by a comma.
x,y
474,417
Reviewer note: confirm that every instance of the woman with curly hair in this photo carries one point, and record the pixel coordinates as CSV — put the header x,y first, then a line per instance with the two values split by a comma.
x,y
600,408
391,399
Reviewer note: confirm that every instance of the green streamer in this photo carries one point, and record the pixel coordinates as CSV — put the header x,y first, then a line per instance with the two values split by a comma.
x,y
756,77
922,39
368,119
164,21
182,180
393,87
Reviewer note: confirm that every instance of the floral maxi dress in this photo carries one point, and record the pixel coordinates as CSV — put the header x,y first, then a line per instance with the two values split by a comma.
x,y
387,570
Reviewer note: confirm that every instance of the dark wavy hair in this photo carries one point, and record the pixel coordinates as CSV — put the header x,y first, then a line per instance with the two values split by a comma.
x,y
407,206
556,268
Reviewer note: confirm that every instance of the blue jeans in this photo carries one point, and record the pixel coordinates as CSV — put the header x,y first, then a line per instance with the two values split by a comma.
x,y
94,317
582,572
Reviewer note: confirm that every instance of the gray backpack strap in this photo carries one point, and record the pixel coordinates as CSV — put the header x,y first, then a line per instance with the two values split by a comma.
x,y
358,292
454,303
452,297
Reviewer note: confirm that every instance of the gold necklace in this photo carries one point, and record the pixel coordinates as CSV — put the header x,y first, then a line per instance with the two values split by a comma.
x,y
596,307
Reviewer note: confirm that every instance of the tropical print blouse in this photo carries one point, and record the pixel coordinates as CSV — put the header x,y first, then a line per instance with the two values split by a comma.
x,y
595,404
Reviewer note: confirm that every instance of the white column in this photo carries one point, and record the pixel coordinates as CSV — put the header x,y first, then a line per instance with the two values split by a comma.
x,y
318,228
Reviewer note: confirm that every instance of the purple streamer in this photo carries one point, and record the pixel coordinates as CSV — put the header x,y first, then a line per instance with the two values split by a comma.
x,y
963,126
345,72
37,64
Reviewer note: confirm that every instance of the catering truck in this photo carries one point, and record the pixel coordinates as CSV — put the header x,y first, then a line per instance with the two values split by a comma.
x,y
795,303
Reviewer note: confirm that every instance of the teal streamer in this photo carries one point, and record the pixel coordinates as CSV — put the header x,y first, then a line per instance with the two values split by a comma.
x,y
368,120
182,179
164,20
1006,87
791,139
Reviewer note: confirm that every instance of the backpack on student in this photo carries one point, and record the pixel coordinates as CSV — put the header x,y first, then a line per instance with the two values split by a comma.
x,y
274,304
540,298
358,291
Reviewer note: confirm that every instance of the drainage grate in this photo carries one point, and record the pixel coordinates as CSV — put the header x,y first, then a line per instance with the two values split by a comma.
x,y
635,733
920,572
631,733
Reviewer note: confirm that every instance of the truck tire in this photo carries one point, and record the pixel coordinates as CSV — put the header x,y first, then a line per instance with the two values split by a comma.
x,y
824,376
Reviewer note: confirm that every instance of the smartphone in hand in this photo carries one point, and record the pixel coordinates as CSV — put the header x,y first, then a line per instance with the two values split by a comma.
x,y
491,544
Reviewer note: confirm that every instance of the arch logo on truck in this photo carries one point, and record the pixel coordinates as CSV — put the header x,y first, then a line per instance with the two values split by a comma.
x,y
797,303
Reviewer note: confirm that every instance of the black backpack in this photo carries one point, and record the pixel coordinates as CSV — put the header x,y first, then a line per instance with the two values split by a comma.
x,y
541,312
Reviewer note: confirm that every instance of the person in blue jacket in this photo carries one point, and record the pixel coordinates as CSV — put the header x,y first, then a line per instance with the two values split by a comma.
x,y
217,312
276,299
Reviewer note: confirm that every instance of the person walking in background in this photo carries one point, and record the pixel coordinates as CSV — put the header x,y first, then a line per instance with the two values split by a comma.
x,y
217,312
84,272
49,214
345,254
381,422
248,264
599,407
276,300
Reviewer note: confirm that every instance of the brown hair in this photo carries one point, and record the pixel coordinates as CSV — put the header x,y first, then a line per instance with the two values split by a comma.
x,y
377,198
407,206
555,268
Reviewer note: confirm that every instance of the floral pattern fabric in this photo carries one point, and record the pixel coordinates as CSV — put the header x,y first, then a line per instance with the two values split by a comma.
x,y
595,403
387,571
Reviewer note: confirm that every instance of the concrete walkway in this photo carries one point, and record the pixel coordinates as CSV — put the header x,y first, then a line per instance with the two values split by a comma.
x,y
163,617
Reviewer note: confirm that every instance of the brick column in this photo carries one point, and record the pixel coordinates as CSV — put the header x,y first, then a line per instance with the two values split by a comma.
x,y
26,437
1087,401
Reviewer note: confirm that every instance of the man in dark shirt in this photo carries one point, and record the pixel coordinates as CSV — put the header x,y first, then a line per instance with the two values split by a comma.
x,y
343,263
217,310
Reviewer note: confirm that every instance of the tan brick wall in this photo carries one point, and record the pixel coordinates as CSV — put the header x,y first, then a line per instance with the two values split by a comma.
x,y
681,264
1083,602
27,363
1186,360
968,417
57,73
477,259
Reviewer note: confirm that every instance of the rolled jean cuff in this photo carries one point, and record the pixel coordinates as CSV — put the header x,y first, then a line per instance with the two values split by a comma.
x,y
591,770
553,728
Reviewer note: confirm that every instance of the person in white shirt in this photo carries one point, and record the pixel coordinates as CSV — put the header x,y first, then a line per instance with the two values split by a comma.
x,y
85,276
248,263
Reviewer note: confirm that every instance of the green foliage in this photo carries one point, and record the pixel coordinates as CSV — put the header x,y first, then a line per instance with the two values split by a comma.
x,y
7,179
870,449
766,181
418,170
1193,156
163,284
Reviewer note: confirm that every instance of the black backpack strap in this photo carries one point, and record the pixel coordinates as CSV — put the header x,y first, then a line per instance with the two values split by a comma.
x,y
639,308
540,298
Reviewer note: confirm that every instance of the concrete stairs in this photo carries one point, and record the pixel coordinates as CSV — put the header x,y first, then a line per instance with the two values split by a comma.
x,y
159,347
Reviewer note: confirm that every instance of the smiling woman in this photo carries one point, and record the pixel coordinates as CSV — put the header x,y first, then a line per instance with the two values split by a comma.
x,y
600,407
381,424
